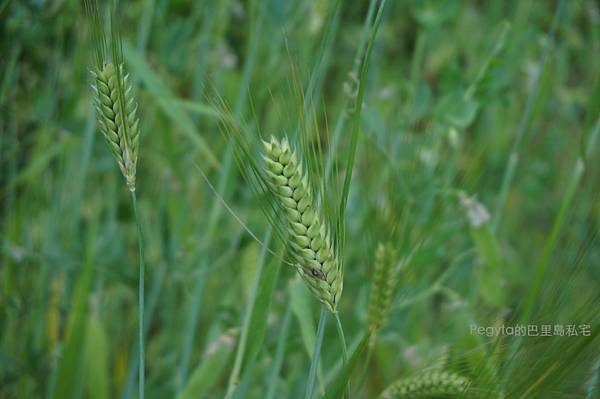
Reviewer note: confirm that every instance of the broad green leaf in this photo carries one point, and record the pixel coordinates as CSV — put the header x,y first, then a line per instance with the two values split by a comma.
x,y
249,265
96,359
301,301
421,101
301,305
255,318
490,273
210,368
457,110
258,320
69,368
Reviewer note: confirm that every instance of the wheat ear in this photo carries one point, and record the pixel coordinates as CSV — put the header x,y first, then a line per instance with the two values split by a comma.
x,y
119,124
436,384
382,288
309,237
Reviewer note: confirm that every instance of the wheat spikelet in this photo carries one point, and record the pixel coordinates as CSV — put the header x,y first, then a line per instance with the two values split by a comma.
x,y
117,108
383,287
309,237
436,384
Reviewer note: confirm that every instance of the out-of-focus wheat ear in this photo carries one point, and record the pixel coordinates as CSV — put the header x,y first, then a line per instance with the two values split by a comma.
x,y
309,237
121,132
384,280
435,384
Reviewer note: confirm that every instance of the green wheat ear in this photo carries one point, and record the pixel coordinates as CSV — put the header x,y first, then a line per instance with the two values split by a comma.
x,y
436,384
119,124
309,237
382,288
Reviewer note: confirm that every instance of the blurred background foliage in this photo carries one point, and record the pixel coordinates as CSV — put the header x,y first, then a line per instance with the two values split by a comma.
x,y
451,87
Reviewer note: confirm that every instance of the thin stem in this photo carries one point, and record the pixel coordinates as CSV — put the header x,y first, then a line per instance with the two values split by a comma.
x,y
355,129
337,133
312,374
344,349
140,297
363,374
560,218
234,378
280,352
525,122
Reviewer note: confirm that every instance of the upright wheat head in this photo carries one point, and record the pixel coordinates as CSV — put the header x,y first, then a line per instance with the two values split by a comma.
x,y
309,237
383,287
116,109
436,384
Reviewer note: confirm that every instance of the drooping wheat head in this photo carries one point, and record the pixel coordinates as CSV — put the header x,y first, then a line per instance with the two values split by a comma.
x,y
435,384
309,239
116,111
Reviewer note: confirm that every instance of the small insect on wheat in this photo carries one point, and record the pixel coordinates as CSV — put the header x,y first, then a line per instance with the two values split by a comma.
x,y
436,384
116,108
309,236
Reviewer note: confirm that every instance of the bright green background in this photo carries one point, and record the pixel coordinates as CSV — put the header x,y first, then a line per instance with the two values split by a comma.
x,y
453,89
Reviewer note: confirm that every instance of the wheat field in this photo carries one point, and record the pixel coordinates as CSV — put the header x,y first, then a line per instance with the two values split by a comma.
x,y
299,199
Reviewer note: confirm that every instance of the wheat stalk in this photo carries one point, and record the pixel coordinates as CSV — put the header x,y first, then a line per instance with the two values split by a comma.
x,y
116,113
383,287
436,384
309,237
116,107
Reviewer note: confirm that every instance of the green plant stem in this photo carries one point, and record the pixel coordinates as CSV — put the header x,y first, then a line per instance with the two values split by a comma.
x,y
355,130
217,208
569,194
234,378
280,352
365,369
312,373
559,219
322,61
140,296
344,348
337,132
524,123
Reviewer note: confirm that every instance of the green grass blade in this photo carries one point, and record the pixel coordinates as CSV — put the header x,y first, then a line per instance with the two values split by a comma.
x,y
150,308
163,97
227,176
255,316
215,214
282,343
489,276
141,294
560,218
300,301
337,386
525,122
69,368
544,260
344,349
312,373
96,354
355,129
210,368
337,132
321,61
